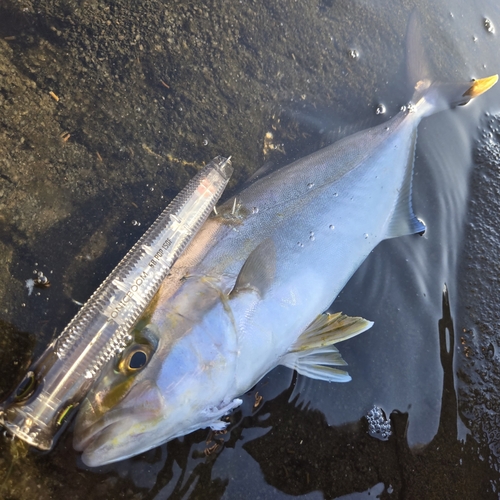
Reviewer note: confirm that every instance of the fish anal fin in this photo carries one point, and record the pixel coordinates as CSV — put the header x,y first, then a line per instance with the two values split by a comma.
x,y
314,354
403,220
258,271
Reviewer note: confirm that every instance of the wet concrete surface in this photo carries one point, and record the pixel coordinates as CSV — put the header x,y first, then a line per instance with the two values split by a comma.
x,y
477,365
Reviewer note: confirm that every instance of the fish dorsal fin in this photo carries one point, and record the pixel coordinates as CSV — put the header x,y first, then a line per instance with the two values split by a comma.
x,y
314,354
257,273
403,220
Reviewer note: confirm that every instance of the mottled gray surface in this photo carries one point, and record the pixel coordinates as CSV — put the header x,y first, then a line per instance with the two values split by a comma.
x,y
478,366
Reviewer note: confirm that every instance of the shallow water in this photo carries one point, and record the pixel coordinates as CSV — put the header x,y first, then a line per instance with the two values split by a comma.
x,y
144,108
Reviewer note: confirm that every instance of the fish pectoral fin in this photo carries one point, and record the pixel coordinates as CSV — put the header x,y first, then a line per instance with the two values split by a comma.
x,y
328,329
403,220
258,271
314,354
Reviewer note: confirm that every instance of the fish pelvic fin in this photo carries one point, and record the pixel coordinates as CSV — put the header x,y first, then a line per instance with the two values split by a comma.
x,y
431,96
315,356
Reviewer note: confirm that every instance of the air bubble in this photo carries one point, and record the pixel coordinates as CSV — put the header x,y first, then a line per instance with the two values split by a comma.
x,y
490,28
353,54
310,185
331,226
366,236
255,210
205,142
380,109
379,426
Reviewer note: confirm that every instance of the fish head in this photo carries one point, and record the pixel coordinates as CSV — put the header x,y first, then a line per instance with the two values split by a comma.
x,y
116,413
182,370
154,391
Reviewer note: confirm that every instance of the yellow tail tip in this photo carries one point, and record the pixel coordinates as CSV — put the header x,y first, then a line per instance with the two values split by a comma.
x,y
481,86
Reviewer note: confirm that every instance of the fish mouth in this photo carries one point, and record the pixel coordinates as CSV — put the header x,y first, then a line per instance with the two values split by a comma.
x,y
115,435
96,447
88,434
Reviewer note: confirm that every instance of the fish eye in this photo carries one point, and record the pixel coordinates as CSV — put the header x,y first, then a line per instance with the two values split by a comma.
x,y
26,387
135,358
138,353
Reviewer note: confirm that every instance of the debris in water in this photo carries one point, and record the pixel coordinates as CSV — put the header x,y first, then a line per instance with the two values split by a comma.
x,y
41,281
29,285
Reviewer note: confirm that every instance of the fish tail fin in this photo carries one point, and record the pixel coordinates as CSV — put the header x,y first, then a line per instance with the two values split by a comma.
x,y
431,96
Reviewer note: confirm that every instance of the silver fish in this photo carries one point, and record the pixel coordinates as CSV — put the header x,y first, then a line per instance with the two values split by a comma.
x,y
250,291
